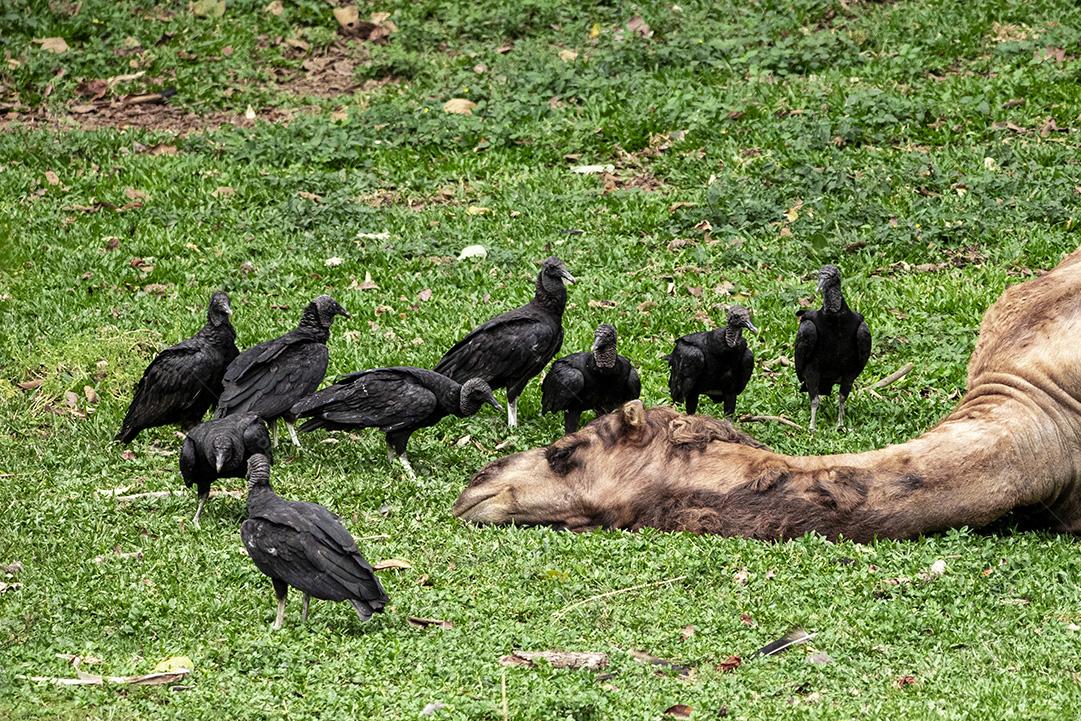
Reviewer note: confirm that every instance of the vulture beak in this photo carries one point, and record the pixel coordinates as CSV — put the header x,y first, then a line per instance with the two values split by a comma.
x,y
751,327
596,346
219,460
821,284
490,400
343,312
566,275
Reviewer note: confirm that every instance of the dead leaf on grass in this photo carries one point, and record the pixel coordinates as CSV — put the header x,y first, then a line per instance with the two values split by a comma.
x,y
366,284
688,631
557,659
208,8
91,394
135,194
53,45
459,106
903,681
425,295
392,564
128,455
567,55
223,191
425,622
729,664
639,27
158,289
679,710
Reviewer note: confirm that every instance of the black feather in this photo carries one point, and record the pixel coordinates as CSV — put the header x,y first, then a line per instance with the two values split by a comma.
x,y
269,378
717,364
306,546
833,344
184,380
510,349
236,437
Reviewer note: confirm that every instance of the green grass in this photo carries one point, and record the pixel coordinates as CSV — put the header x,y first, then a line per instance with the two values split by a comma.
x,y
873,135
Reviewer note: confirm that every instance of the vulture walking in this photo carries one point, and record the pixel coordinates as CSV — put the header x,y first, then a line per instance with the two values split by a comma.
x,y
511,348
220,448
600,381
305,546
397,401
269,378
184,380
715,363
832,345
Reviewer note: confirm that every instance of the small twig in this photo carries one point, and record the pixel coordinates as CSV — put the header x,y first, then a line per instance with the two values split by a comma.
x,y
379,537
893,377
618,591
167,494
771,419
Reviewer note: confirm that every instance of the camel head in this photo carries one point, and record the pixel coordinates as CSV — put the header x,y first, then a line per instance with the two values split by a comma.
x,y
603,475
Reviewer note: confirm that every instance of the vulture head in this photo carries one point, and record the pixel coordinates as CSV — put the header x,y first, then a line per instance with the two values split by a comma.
x,y
258,471
604,346
554,273
829,277
226,451
325,308
475,393
219,310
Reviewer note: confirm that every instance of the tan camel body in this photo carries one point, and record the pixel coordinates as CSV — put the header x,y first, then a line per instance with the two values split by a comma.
x,y
1012,445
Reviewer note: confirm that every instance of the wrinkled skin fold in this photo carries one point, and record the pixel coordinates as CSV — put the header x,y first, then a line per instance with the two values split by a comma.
x,y
1012,445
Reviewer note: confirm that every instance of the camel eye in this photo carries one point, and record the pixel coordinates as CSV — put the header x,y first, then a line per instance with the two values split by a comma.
x,y
561,458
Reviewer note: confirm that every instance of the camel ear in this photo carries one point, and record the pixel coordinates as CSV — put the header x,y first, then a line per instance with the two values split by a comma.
x,y
633,414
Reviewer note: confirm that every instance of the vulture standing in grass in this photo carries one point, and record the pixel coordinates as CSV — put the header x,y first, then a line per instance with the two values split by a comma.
x,y
268,379
220,449
832,345
600,381
184,380
397,401
715,363
511,348
305,546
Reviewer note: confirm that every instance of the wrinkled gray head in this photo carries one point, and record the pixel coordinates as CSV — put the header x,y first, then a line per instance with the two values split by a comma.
x,y
223,451
604,345
553,269
829,277
258,470
219,309
475,393
740,317
326,308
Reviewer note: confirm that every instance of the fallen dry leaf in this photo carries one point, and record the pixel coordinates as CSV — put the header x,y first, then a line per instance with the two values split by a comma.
x,y
13,567
208,8
688,631
91,394
820,658
275,8
425,622
53,45
679,710
5,587
459,106
425,295
567,55
557,659
71,398
729,664
223,191
473,251
906,680
638,26
31,384
158,289
603,304
52,178
741,575
745,619
477,210
135,194
392,564
309,196
128,455
593,169
333,262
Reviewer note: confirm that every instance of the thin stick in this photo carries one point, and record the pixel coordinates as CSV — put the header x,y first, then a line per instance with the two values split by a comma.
x,y
618,591
503,689
895,376
167,494
379,537
771,419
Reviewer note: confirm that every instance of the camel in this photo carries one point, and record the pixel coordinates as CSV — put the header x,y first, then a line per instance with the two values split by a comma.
x,y
1012,445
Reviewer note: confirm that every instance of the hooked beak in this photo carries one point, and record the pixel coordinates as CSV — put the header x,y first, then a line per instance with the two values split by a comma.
x,y
219,461
343,312
490,400
751,327
821,284
566,275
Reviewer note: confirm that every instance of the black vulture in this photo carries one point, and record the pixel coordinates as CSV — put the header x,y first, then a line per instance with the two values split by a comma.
x,y
305,546
220,448
714,363
511,348
832,345
600,381
269,378
184,380
396,400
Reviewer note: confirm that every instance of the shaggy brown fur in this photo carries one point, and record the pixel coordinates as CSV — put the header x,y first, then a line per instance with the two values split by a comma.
x,y
1013,443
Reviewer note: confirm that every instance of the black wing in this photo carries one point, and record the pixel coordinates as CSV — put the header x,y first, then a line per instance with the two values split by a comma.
x,y
806,342
506,349
634,386
270,381
175,386
686,365
256,438
863,346
386,398
746,369
562,387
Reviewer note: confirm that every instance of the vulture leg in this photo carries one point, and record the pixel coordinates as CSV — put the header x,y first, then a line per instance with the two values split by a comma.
x,y
692,403
281,589
729,405
512,413
846,388
304,611
571,420
396,447
293,434
274,434
199,509
814,412
404,460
